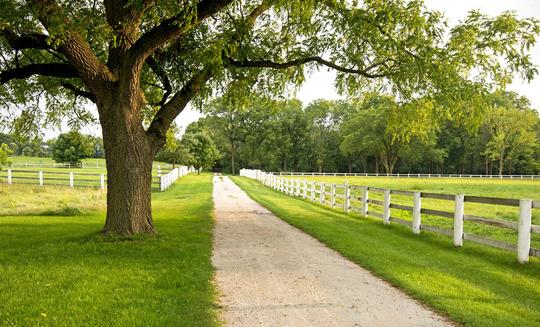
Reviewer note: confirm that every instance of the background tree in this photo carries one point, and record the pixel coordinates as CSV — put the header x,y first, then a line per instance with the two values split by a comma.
x,y
71,148
174,151
201,149
227,119
511,125
5,152
142,62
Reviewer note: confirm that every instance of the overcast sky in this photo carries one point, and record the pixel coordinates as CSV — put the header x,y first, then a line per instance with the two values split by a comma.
x,y
321,84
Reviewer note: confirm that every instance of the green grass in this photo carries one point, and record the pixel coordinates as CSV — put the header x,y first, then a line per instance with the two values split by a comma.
x,y
99,162
59,176
58,270
511,189
474,285
24,200
502,188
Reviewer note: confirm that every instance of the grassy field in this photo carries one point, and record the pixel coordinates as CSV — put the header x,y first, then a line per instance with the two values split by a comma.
x,y
88,176
512,189
474,285
57,270
98,163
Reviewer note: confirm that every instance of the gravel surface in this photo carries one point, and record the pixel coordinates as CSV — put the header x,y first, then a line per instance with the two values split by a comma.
x,y
271,274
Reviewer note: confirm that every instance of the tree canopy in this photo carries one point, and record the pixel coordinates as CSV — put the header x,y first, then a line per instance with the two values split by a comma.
x,y
143,61
56,55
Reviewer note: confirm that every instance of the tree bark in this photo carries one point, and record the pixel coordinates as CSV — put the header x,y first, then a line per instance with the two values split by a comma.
x,y
129,156
501,160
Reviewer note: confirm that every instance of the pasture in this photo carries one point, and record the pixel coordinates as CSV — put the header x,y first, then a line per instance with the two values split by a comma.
x,y
499,188
474,285
58,270
25,170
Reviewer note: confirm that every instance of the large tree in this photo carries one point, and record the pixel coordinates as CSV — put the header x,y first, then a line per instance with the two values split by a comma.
x,y
143,61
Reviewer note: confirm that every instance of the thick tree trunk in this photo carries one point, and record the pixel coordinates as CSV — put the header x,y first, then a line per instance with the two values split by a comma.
x,y
129,156
129,179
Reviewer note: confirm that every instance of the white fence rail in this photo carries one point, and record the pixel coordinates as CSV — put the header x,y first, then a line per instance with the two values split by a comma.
x,y
160,182
408,175
165,181
96,165
352,198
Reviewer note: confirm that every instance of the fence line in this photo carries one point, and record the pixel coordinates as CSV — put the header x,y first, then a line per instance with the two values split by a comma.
x,y
356,199
165,181
95,165
84,179
408,175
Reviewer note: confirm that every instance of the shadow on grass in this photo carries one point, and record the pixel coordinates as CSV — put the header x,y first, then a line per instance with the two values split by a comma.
x,y
63,271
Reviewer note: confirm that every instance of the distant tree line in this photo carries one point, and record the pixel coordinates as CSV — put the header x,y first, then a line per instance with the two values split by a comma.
x,y
375,134
68,147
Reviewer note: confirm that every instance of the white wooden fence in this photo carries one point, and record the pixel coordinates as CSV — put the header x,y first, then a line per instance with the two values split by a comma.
x,y
160,182
357,198
95,165
165,181
408,175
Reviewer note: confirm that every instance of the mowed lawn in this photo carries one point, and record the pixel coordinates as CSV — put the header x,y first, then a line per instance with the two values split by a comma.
x,y
474,285
510,189
58,270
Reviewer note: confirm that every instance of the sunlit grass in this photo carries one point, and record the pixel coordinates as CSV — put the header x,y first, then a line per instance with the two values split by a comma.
x,y
474,285
58,270
511,189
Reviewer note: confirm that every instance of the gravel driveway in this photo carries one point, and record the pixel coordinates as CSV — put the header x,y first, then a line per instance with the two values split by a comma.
x,y
271,274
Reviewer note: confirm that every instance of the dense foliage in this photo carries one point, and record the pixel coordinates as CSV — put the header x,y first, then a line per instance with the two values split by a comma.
x,y
374,134
142,62
5,151
71,148
201,150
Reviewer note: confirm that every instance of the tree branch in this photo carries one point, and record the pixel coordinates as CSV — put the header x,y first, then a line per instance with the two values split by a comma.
x,y
162,75
52,70
301,61
170,110
25,41
79,92
172,27
78,52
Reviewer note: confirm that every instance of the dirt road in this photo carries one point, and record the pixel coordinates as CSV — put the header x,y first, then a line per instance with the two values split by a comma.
x,y
271,274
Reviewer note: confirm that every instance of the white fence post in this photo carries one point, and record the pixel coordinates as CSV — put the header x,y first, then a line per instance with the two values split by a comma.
x,y
346,198
323,191
365,197
71,183
524,231
312,195
417,207
305,189
40,178
386,207
458,219
9,176
102,182
333,196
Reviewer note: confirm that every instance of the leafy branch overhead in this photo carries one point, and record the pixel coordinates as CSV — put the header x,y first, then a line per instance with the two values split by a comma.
x,y
165,55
